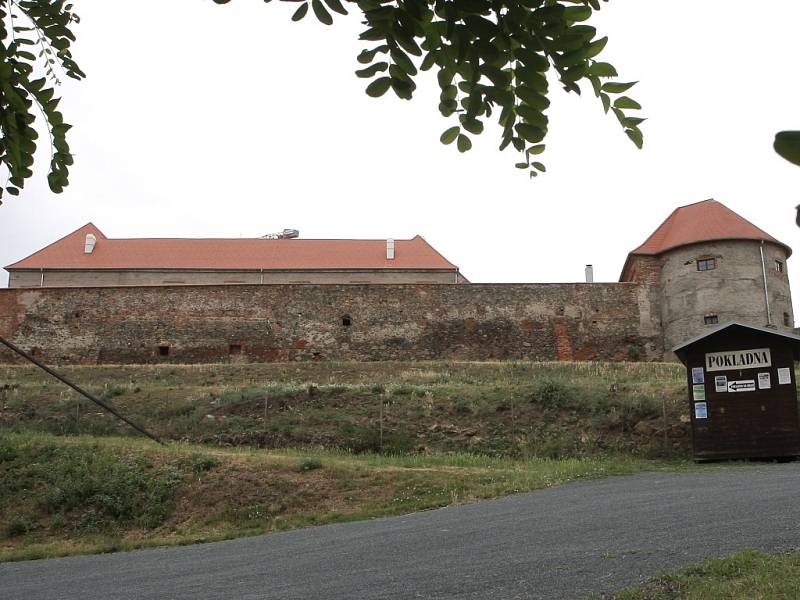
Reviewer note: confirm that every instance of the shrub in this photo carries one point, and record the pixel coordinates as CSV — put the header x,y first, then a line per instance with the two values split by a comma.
x,y
309,464
553,394
634,353
94,488
462,406
18,526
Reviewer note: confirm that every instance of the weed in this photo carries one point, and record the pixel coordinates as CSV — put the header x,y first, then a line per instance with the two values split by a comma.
x,y
634,353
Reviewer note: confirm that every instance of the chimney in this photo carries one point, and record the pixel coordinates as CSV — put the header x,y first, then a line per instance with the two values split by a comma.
x,y
88,246
390,249
589,274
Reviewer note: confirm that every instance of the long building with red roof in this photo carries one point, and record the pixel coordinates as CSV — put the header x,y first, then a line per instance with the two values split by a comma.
x,y
87,258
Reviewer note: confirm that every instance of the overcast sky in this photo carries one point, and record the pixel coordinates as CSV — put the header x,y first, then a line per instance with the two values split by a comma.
x,y
200,120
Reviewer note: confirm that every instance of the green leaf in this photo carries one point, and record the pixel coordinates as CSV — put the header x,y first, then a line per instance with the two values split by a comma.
x,y
603,69
596,47
606,100
522,165
539,166
321,12
529,132
636,137
450,135
366,56
336,6
300,12
464,143
538,149
372,70
577,13
474,126
613,87
532,98
402,60
787,145
379,86
633,121
532,116
625,102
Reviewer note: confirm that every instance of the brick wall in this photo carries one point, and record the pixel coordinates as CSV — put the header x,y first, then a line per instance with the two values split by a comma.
x,y
305,322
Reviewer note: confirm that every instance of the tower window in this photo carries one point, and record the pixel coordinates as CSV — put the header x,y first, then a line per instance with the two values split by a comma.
x,y
779,266
346,321
234,349
706,264
787,321
163,350
711,319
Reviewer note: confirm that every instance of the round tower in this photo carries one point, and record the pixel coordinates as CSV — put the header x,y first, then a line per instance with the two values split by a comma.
x,y
711,266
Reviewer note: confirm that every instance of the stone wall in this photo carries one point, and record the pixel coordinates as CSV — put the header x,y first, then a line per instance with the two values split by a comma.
x,y
333,322
733,291
21,278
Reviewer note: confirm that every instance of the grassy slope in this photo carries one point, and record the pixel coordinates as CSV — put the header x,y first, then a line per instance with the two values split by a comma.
x,y
69,495
503,409
746,575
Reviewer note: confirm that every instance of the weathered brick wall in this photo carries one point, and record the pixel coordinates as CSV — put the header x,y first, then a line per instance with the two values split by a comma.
x,y
305,322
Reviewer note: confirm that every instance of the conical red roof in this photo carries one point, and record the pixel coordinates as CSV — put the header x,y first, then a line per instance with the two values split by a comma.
x,y
704,221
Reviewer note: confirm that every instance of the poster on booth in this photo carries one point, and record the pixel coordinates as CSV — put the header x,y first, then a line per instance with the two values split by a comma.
x,y
763,381
700,410
698,376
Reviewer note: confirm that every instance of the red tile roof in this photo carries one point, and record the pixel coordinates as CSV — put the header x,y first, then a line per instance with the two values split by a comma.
x,y
236,253
704,221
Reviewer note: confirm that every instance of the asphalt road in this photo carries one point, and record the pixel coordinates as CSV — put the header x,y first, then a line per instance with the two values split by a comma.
x,y
563,542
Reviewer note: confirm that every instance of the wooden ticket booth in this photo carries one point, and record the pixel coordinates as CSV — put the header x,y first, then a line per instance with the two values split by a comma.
x,y
742,392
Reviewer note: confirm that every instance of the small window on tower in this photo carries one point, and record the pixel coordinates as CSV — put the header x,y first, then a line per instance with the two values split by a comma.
x,y
711,319
163,350
779,266
706,264
787,321
346,321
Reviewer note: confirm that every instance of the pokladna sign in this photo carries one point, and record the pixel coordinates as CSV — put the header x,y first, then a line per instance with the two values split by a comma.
x,y
738,359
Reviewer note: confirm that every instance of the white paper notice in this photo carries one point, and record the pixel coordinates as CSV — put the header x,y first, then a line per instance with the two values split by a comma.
x,y
763,381
720,383
784,376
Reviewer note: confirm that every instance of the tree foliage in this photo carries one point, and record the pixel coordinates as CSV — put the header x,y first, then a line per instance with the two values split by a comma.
x,y
491,58
35,41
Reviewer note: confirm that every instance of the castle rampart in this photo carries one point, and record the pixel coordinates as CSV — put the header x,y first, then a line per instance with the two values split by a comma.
x,y
599,321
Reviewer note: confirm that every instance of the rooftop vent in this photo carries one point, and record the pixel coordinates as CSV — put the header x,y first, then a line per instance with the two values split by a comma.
x,y
88,245
390,249
282,235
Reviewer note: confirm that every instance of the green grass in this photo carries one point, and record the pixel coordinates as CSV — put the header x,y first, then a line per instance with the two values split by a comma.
x,y
64,495
515,409
746,575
